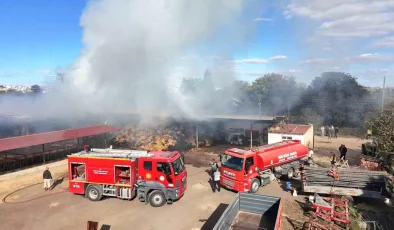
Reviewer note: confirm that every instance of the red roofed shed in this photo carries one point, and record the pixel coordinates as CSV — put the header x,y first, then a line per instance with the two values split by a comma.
x,y
282,132
27,150
50,137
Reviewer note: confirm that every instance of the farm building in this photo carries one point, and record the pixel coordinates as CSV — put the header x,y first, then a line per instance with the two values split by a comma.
x,y
24,151
304,133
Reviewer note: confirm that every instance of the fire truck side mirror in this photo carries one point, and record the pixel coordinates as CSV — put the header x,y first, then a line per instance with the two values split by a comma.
x,y
183,158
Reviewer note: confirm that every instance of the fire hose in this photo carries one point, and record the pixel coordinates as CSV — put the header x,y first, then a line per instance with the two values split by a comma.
x,y
64,177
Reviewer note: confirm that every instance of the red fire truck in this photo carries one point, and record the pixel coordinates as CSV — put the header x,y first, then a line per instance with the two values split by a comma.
x,y
154,177
247,170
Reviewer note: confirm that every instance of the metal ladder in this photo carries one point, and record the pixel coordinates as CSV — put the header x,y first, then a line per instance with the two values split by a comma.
x,y
112,153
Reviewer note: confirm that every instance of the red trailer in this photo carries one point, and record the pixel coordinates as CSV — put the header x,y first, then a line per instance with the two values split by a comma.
x,y
247,170
154,177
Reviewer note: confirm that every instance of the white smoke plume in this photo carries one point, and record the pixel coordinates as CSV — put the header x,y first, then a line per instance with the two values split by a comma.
x,y
136,53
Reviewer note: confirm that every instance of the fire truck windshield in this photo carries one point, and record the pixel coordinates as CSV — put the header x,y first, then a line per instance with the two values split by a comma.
x,y
178,166
232,162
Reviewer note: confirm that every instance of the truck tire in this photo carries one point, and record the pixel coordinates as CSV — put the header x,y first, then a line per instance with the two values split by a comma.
x,y
157,199
290,173
94,193
254,186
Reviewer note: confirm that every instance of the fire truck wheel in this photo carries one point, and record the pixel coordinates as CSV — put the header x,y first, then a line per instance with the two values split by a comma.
x,y
157,199
290,173
254,186
94,193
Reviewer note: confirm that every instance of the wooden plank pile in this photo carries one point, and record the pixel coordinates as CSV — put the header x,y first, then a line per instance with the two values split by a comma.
x,y
347,178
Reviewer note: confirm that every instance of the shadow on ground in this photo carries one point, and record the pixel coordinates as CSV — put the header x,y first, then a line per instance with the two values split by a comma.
x,y
105,227
215,216
57,182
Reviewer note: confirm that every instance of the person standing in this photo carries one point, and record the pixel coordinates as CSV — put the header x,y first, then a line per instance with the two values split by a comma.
x,y
47,176
214,167
336,132
216,180
343,151
332,131
369,134
333,159
323,129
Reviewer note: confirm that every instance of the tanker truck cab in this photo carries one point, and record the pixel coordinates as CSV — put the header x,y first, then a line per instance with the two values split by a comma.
x,y
247,170
154,177
237,167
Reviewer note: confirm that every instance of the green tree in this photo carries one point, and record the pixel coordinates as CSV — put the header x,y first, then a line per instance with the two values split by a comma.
x,y
338,97
308,116
276,92
382,125
36,89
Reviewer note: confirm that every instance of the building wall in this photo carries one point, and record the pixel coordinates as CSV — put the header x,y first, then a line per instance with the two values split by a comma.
x,y
278,137
244,125
308,136
257,127
306,139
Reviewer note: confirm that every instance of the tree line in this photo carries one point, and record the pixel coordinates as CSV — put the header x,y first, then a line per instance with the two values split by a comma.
x,y
333,98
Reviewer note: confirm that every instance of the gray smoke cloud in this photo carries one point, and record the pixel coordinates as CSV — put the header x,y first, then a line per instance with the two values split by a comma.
x,y
136,52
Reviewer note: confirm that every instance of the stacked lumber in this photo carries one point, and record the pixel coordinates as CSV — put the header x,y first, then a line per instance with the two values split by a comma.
x,y
348,178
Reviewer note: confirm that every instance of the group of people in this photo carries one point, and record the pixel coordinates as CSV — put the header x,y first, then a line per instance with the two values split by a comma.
x,y
329,131
342,151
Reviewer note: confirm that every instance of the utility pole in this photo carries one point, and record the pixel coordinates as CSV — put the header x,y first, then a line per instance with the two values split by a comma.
x,y
288,113
197,134
383,89
260,108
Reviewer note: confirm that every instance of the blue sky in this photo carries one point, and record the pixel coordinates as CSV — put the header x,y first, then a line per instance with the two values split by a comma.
x,y
37,37
301,38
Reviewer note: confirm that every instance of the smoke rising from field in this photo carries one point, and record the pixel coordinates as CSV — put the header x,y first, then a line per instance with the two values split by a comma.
x,y
134,55
136,52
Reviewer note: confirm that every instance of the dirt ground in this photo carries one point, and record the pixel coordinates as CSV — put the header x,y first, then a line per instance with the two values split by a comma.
x,y
323,147
60,209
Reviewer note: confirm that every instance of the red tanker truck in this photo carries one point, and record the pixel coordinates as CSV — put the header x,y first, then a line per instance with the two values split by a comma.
x,y
157,177
247,170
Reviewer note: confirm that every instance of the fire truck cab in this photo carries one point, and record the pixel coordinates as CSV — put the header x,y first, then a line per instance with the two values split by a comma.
x,y
247,170
157,177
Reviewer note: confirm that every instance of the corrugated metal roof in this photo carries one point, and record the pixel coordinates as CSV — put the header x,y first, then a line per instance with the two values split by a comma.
x,y
50,137
292,129
238,117
206,117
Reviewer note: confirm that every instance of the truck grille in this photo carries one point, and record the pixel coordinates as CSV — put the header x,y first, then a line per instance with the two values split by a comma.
x,y
228,182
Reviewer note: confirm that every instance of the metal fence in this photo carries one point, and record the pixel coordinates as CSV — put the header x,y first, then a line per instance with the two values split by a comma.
x,y
251,203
